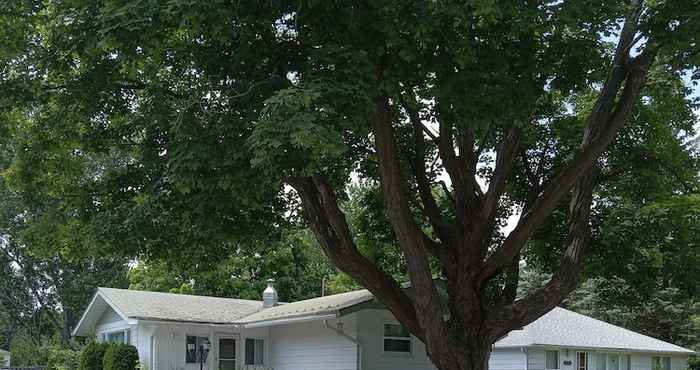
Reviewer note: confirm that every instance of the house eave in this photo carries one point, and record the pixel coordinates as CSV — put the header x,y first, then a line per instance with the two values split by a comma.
x,y
588,348
290,320
77,330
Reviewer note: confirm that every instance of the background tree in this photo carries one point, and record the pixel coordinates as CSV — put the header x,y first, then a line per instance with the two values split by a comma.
x,y
184,124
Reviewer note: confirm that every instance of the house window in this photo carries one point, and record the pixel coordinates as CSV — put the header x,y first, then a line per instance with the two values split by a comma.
x,y
396,338
254,351
628,362
613,362
600,362
121,336
582,361
193,347
551,360
660,363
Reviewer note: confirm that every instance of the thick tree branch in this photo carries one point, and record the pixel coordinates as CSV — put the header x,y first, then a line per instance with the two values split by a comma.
x,y
504,164
605,121
411,239
544,299
330,227
419,172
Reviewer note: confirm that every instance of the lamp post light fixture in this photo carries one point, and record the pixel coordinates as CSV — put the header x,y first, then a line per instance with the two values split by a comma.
x,y
203,352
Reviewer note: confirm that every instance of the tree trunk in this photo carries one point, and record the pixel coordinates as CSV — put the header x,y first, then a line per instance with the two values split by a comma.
x,y
473,355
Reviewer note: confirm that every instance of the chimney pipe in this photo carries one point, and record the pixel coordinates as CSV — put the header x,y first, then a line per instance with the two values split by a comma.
x,y
270,294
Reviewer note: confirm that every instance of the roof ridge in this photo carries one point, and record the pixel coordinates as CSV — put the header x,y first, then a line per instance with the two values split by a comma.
x,y
179,294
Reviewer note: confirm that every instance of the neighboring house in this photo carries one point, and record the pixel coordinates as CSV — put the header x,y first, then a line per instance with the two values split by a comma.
x,y
4,358
349,331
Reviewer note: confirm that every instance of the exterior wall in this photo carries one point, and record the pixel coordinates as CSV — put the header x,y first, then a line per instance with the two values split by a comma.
x,y
162,346
508,359
312,346
639,361
371,326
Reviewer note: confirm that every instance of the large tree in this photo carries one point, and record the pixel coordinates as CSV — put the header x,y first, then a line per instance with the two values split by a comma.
x,y
181,128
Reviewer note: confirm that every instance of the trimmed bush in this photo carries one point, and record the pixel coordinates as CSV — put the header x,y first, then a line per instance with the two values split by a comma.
x,y
62,358
120,357
92,356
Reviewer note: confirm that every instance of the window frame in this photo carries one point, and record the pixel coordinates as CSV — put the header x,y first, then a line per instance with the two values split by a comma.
x,y
663,361
586,359
125,332
196,348
245,351
408,339
547,351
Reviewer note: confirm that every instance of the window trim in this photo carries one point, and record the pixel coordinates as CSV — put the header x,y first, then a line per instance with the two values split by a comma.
x,y
558,359
409,339
126,333
245,351
578,359
196,347
663,360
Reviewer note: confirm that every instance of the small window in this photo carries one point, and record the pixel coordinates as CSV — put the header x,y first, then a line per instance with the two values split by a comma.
x,y
551,360
582,361
193,348
660,363
115,337
396,338
254,351
628,362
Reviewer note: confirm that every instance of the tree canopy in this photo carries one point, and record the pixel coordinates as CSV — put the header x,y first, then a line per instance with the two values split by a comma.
x,y
185,131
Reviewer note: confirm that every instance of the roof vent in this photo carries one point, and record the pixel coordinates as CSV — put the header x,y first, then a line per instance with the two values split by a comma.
x,y
270,294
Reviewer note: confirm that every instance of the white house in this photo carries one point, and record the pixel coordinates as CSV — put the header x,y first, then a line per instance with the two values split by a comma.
x,y
4,358
349,331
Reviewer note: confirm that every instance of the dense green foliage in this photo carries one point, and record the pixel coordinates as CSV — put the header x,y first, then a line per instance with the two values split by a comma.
x,y
170,132
92,356
60,358
120,357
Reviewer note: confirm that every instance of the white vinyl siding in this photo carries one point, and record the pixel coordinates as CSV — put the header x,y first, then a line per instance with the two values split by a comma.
x,y
510,359
601,360
312,346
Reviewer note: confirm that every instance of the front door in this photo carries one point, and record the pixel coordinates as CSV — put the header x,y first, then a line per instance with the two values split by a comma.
x,y
227,353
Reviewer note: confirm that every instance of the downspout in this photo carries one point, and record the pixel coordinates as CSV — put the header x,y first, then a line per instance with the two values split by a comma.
x,y
527,358
354,340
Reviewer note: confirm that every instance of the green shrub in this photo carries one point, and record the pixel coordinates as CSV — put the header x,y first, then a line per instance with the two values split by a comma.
x,y
120,357
61,358
92,356
26,352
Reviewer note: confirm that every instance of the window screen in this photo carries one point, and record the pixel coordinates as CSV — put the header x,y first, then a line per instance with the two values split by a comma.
x,y
254,351
552,360
396,338
192,348
116,337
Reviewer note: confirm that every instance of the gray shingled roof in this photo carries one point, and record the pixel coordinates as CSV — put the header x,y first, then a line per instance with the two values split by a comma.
x,y
331,304
143,305
559,327
564,328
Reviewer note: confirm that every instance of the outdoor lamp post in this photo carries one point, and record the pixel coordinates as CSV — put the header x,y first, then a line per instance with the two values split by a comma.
x,y
204,346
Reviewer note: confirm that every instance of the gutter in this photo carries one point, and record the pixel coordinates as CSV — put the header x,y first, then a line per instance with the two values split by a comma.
x,y
358,366
293,320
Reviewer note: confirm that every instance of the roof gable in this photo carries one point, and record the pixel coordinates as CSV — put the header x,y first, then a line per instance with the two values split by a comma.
x,y
563,328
